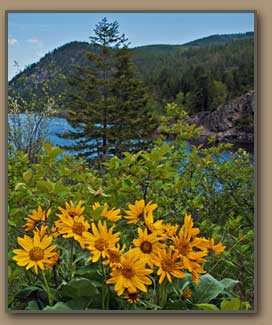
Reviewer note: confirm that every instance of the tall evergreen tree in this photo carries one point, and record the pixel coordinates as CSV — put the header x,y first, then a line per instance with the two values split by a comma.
x,y
107,104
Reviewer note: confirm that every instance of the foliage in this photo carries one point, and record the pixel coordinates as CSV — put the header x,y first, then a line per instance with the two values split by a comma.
x,y
212,184
165,69
106,102
28,131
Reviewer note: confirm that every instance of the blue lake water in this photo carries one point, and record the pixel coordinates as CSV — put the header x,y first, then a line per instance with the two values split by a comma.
x,y
59,125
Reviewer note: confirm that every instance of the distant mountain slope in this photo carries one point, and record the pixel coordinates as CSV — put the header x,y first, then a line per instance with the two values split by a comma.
x,y
166,69
219,39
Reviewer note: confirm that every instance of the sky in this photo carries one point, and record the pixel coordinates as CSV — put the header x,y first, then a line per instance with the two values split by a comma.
x,y
32,35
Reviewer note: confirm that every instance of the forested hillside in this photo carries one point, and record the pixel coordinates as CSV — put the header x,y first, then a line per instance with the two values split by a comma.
x,y
199,76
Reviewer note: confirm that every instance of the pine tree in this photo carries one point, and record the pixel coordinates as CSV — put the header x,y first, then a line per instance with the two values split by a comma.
x,y
107,104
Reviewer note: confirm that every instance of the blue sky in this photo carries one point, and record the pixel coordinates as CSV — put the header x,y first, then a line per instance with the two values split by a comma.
x,y
32,35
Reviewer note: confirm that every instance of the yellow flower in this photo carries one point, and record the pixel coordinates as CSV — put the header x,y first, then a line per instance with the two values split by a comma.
x,y
100,240
96,205
168,265
52,261
41,231
218,248
35,253
196,270
169,230
73,227
113,256
37,217
147,246
186,293
132,297
192,249
139,210
71,210
132,274
54,231
185,243
152,226
111,215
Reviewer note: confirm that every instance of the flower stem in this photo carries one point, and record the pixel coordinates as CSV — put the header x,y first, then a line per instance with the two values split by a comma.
x,y
47,288
163,293
71,259
105,292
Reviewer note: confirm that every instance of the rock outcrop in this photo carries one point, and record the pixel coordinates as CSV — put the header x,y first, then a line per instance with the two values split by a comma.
x,y
232,122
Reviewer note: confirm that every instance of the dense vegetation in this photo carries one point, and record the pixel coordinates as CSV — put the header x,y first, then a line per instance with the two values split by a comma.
x,y
204,73
134,222
106,104
180,180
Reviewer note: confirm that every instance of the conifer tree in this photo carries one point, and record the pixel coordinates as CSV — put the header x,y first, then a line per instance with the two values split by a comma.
x,y
107,104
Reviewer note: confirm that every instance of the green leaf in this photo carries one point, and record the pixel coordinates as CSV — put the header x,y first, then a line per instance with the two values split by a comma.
x,y
27,292
55,152
79,287
59,306
177,305
233,304
208,289
27,176
19,186
245,305
89,272
45,186
80,303
207,306
47,148
96,214
229,283
32,305
12,223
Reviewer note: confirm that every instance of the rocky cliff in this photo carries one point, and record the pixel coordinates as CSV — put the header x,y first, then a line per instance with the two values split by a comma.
x,y
232,122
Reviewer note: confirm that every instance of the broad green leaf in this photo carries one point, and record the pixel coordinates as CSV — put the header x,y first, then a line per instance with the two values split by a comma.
x,y
233,304
208,289
47,148
79,287
59,306
27,176
27,292
19,186
55,152
229,283
32,305
207,306
45,186
79,303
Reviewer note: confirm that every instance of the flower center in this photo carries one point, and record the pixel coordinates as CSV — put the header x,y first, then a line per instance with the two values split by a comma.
x,y
167,264
141,215
113,256
146,247
78,228
101,244
127,272
36,254
133,297
72,214
184,249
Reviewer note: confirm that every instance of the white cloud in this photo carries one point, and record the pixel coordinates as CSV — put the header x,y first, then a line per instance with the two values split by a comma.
x,y
12,41
33,40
